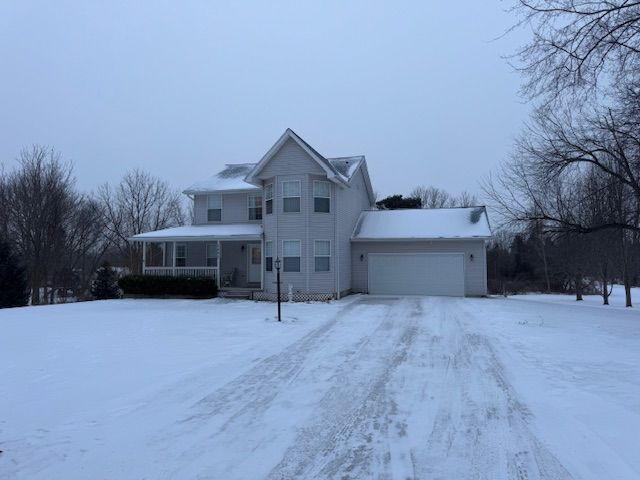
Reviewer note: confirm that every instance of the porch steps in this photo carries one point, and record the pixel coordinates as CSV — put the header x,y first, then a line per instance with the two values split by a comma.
x,y
236,294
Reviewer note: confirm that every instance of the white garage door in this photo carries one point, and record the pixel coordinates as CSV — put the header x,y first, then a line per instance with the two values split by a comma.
x,y
416,274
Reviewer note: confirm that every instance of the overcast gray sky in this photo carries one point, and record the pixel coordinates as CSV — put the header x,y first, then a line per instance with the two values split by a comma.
x,y
180,88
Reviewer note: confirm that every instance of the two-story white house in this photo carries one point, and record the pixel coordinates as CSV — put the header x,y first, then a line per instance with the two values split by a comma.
x,y
317,216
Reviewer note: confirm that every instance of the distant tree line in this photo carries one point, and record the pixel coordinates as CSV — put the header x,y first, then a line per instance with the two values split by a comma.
x,y
53,237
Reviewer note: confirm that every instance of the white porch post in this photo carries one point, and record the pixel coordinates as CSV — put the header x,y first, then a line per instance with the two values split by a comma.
x,y
144,257
219,263
173,258
262,252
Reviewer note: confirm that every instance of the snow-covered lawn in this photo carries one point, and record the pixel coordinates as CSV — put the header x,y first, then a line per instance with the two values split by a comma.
x,y
437,388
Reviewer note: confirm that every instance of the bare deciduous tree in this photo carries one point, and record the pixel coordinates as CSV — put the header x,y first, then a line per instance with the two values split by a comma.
x,y
139,203
577,45
40,200
434,197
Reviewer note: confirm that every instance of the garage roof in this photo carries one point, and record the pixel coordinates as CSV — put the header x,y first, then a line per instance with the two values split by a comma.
x,y
419,224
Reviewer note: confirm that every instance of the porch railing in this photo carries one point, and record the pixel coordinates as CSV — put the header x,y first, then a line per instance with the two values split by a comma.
x,y
182,271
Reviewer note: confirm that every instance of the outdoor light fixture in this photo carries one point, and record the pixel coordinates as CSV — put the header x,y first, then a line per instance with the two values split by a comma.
x,y
362,257
471,257
242,248
277,265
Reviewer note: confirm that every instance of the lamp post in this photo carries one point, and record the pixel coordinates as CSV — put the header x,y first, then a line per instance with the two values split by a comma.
x,y
277,262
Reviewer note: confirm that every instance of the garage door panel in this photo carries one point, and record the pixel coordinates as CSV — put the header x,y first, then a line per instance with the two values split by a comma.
x,y
416,274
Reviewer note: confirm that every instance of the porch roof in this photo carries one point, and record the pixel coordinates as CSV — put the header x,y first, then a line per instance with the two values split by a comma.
x,y
234,231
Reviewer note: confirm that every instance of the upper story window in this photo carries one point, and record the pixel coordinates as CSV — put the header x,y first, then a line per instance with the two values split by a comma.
x,y
255,206
268,255
214,208
268,195
181,254
291,255
321,196
291,197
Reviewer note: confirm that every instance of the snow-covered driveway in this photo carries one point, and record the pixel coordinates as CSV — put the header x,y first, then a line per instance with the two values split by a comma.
x,y
433,388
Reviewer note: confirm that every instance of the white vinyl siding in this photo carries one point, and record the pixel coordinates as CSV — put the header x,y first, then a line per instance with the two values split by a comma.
x,y
291,197
291,255
268,256
212,254
255,206
322,255
268,195
181,254
214,208
321,197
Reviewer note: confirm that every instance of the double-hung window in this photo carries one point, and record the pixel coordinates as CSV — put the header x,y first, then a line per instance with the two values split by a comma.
x,y
291,197
181,254
255,206
268,256
291,255
214,208
212,254
321,196
268,195
322,255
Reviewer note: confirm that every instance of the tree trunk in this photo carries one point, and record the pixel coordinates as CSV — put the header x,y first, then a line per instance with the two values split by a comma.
x,y
578,282
627,287
545,264
626,277
605,291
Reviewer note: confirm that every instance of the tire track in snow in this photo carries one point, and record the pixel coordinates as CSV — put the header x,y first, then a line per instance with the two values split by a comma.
x,y
355,411
238,405
480,429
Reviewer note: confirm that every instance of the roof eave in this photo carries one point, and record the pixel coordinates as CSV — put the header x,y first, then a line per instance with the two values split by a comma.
x,y
227,190
416,239
204,238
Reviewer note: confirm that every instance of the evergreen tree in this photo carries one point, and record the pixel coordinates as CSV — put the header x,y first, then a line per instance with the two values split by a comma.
x,y
393,202
105,285
14,290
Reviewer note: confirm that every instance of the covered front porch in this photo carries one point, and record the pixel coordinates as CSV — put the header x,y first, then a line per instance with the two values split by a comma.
x,y
231,254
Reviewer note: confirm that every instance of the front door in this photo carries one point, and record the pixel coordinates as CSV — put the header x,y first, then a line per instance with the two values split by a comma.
x,y
255,263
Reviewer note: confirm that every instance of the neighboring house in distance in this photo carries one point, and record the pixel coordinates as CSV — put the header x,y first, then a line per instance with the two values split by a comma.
x,y
317,215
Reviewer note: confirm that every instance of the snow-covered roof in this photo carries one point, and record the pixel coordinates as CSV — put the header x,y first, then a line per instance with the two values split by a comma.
x,y
229,179
233,231
437,223
346,166
329,169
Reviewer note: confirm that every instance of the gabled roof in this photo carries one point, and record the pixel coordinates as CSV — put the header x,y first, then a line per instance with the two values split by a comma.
x,y
229,180
422,224
331,172
346,166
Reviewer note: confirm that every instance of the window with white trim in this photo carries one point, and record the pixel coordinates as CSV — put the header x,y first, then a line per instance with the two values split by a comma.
x,y
212,254
321,196
255,206
291,197
268,256
268,195
214,208
181,254
291,255
322,255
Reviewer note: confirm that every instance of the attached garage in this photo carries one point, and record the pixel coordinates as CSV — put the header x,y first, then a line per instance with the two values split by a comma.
x,y
421,252
416,274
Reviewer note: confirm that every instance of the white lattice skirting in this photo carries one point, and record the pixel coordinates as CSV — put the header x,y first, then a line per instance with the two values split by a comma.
x,y
295,297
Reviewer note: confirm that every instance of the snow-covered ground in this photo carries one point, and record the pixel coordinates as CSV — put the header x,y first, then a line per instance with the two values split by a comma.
x,y
437,388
